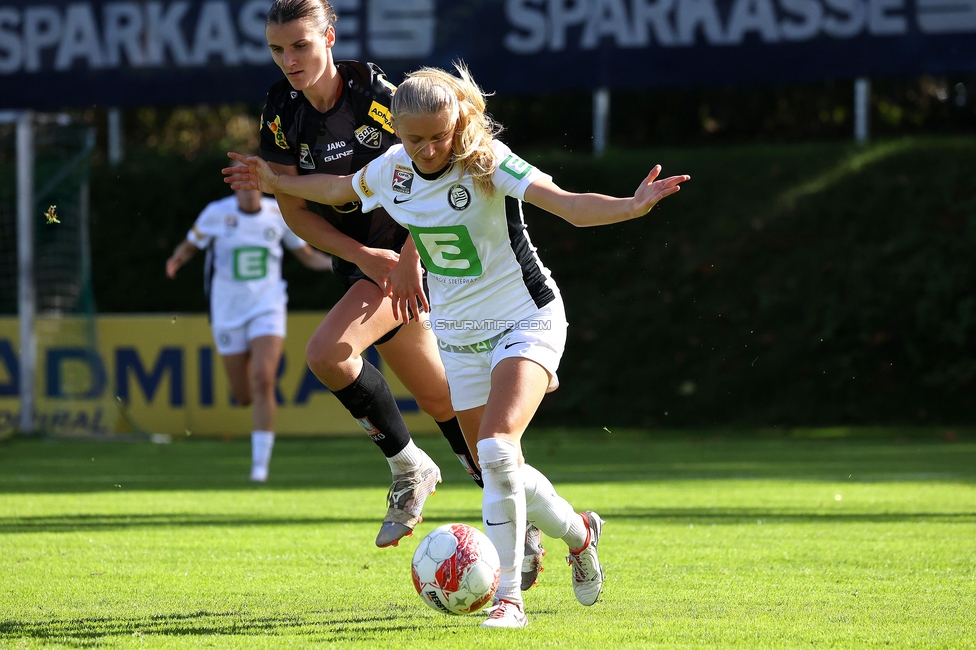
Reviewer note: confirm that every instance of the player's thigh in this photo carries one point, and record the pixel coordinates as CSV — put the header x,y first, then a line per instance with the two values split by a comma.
x,y
517,388
238,374
413,357
361,317
265,359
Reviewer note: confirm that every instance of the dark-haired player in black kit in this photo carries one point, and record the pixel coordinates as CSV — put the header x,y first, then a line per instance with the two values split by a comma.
x,y
329,117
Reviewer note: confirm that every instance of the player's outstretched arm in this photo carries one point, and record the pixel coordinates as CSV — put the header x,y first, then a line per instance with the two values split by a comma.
x,y
256,174
180,256
599,209
313,259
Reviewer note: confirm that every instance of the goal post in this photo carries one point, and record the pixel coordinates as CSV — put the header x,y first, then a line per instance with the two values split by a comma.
x,y
49,357
26,295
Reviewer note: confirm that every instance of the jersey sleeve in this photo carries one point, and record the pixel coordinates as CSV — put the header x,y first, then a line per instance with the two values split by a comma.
x,y
277,128
513,175
367,183
205,227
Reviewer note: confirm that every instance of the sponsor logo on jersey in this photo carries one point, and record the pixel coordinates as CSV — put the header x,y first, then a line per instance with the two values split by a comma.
x,y
363,185
275,127
382,115
270,234
402,179
250,263
305,159
447,251
293,94
230,221
458,197
515,166
369,136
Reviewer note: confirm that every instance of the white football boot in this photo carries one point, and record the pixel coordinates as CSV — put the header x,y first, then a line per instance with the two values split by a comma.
x,y
506,614
587,572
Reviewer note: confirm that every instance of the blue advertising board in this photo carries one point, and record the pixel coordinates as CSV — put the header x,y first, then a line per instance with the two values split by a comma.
x,y
75,53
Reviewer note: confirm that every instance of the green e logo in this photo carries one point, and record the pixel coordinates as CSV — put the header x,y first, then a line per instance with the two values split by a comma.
x,y
515,166
447,250
250,263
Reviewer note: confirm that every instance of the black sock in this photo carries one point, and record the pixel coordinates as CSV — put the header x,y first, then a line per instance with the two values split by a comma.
x,y
371,402
452,431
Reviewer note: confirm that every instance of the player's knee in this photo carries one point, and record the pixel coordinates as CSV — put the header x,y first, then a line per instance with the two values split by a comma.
x,y
335,365
436,405
262,384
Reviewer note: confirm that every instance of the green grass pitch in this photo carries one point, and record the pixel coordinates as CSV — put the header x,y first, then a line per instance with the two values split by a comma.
x,y
720,540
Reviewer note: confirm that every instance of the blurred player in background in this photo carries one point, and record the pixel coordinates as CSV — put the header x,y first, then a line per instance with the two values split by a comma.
x,y
243,235
463,208
328,117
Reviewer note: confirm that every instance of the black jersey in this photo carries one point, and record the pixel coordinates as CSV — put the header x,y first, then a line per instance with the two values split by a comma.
x,y
341,141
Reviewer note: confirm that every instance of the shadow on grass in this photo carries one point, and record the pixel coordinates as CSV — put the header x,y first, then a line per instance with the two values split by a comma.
x,y
327,625
721,516
37,466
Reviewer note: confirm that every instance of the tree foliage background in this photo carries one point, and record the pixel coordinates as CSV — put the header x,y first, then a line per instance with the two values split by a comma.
x,y
798,279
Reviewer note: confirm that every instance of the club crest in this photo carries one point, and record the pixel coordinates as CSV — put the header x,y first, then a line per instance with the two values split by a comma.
x,y
458,197
369,136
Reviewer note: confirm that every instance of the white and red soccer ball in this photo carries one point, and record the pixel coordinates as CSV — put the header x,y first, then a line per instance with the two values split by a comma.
x,y
456,569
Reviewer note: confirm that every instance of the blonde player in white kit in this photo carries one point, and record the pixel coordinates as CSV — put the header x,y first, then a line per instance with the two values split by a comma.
x,y
495,309
243,235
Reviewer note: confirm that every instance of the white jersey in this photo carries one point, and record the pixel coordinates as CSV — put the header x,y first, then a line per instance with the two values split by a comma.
x,y
244,259
484,274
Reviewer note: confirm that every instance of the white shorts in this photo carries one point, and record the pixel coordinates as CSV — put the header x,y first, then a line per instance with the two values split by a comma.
x,y
235,340
542,340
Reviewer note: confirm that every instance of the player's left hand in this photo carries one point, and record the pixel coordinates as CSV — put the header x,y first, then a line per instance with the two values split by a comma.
x,y
652,190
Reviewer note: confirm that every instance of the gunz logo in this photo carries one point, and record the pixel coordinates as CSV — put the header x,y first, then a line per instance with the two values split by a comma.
x,y
402,179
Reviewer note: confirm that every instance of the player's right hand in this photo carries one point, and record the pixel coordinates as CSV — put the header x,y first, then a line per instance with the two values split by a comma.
x,y
377,263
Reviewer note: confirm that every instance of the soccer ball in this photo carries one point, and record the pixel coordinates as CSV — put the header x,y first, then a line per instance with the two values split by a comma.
x,y
456,569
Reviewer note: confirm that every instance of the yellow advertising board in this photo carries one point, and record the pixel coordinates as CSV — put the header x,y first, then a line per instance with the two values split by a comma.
x,y
161,374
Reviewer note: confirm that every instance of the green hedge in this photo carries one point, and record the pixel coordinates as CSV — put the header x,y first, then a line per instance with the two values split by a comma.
x,y
816,284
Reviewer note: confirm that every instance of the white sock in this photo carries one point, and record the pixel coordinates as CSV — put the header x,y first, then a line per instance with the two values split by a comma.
x,y
503,510
408,458
261,444
548,511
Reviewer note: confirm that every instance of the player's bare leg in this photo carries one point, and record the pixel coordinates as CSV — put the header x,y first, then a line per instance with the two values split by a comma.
x,y
265,359
334,354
